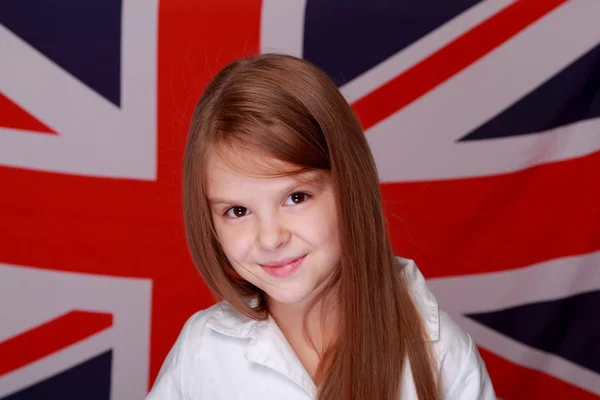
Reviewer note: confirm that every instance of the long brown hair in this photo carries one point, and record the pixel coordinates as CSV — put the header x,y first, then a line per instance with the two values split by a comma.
x,y
289,109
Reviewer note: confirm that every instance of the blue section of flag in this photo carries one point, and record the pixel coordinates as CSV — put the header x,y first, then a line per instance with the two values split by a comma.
x,y
567,327
89,380
570,96
349,37
83,37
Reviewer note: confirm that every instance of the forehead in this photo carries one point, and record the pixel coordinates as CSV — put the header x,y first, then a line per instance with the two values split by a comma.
x,y
245,161
230,168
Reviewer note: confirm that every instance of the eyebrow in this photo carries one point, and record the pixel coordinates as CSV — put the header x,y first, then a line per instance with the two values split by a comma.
x,y
217,200
314,176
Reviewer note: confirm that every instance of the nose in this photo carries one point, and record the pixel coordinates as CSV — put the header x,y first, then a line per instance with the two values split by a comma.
x,y
271,234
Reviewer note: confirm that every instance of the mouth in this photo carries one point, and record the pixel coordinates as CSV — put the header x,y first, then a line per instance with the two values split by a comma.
x,y
283,268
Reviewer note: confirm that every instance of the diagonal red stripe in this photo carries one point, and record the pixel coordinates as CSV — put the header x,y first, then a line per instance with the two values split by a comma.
x,y
477,225
514,382
50,337
457,55
13,116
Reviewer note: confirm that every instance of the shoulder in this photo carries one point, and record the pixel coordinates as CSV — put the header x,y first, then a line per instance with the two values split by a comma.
x,y
193,331
196,324
462,372
422,297
170,383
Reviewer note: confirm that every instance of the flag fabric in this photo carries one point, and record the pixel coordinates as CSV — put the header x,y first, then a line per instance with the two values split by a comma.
x,y
483,117
73,335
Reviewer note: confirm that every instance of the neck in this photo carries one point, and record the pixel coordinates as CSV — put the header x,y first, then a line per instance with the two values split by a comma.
x,y
307,323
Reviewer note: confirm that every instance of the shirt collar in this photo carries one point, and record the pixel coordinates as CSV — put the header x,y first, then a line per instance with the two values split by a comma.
x,y
230,322
268,346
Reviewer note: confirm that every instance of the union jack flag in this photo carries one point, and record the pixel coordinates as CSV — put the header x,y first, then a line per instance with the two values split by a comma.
x,y
483,116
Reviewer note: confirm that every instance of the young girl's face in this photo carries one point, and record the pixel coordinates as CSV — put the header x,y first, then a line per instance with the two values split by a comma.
x,y
279,234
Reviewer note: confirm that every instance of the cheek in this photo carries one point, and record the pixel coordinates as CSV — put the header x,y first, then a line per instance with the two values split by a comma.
x,y
235,241
320,227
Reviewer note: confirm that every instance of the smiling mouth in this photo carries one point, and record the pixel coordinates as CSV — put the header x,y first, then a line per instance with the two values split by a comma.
x,y
283,268
281,263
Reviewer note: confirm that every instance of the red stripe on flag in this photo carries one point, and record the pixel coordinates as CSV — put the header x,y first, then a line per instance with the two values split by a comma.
x,y
457,55
13,116
50,337
514,382
487,224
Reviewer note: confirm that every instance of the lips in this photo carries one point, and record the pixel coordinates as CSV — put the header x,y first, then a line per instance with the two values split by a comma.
x,y
283,268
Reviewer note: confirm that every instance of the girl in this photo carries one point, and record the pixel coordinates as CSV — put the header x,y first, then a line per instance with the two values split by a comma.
x,y
285,223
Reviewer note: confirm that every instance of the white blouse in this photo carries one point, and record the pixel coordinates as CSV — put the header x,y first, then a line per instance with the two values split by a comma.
x,y
222,354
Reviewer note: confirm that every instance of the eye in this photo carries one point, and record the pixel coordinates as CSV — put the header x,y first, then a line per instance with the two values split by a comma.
x,y
237,212
296,198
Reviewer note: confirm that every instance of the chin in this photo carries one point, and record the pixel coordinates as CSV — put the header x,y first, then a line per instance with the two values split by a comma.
x,y
289,298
